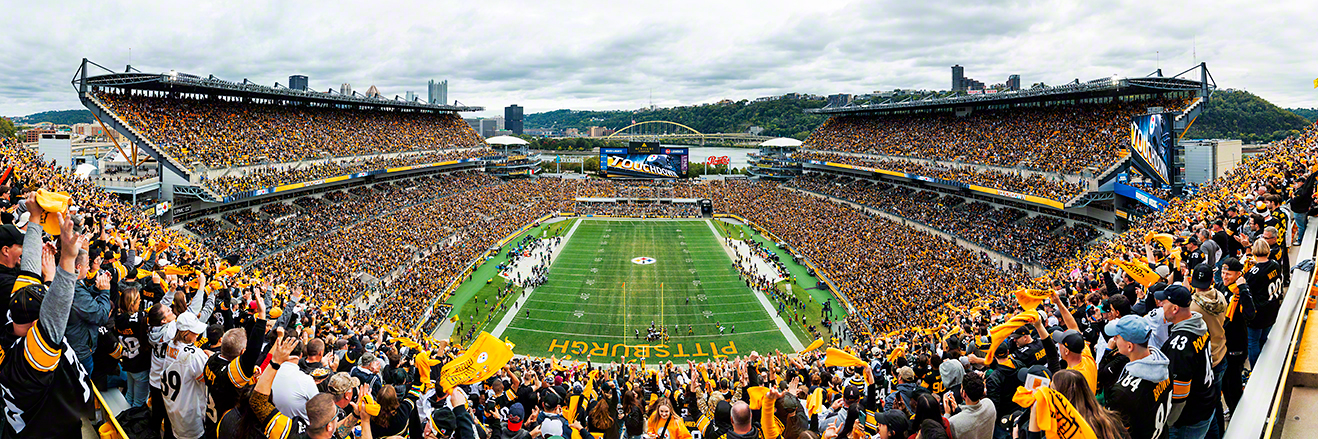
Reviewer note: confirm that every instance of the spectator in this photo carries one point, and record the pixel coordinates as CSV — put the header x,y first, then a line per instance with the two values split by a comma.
x,y
1141,395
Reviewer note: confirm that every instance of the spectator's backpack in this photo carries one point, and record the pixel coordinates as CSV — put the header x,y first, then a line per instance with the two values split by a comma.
x,y
136,423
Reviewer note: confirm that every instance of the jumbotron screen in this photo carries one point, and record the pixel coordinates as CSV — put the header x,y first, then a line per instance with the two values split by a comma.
x,y
643,160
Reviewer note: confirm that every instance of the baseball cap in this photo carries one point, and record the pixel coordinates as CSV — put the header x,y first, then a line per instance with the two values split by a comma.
x,y
443,422
515,417
1071,339
1202,277
1176,294
25,304
1038,369
1232,264
341,383
894,419
10,235
851,393
23,220
189,322
1132,328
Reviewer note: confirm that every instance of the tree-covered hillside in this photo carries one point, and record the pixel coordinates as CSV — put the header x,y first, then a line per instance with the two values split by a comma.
x,y
1308,113
62,117
781,118
1238,114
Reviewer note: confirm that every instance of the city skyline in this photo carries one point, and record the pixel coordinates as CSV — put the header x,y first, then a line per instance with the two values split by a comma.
x,y
606,56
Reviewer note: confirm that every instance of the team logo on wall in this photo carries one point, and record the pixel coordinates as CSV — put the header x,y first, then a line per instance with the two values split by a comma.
x,y
643,260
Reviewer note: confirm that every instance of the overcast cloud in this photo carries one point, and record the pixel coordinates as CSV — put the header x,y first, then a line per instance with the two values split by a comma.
x,y
600,55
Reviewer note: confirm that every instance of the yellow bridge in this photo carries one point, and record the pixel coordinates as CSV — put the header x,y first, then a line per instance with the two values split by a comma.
x,y
665,131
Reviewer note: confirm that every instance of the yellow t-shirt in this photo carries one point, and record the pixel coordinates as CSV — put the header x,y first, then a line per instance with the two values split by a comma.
x,y
1088,368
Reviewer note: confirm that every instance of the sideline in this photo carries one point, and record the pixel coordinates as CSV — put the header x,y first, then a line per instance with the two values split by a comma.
x,y
526,294
768,307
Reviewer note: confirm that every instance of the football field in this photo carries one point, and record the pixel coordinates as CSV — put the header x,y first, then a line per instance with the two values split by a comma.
x,y
616,278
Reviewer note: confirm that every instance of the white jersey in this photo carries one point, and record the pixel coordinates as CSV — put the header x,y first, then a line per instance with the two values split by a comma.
x,y
184,390
160,338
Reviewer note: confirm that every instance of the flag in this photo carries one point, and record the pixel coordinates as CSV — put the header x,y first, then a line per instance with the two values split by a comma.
x,y
482,360
838,357
1138,271
813,345
1054,413
1315,83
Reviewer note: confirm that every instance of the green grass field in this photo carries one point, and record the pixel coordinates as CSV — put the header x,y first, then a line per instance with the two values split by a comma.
x,y
596,298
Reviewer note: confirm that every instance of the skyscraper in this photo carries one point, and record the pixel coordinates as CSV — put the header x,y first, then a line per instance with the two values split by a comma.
x,y
297,82
1014,82
372,92
958,73
512,117
410,96
438,92
345,89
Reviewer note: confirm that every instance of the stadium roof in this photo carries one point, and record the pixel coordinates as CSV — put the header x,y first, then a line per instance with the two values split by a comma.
x,y
186,83
1104,87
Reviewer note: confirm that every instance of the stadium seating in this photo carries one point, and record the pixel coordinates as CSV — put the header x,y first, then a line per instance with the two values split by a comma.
x,y
261,178
1029,184
1059,138
222,134
1037,240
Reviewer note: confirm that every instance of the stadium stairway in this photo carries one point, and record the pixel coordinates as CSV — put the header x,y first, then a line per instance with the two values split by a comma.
x,y
109,118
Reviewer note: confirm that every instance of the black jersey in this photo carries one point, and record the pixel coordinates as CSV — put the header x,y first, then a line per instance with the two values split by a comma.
x,y
1265,282
132,331
1191,369
1143,404
42,381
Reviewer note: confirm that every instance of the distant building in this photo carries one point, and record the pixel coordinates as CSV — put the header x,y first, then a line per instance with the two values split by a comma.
x,y
489,127
961,83
372,92
297,82
839,100
410,96
572,132
438,92
345,89
1014,82
512,116
33,135
755,131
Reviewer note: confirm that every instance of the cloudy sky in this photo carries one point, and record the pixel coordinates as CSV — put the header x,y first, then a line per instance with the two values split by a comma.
x,y
548,55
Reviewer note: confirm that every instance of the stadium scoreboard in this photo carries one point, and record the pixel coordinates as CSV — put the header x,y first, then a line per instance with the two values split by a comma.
x,y
644,160
1153,146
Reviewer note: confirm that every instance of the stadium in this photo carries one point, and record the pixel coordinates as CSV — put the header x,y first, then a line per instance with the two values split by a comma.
x,y
906,250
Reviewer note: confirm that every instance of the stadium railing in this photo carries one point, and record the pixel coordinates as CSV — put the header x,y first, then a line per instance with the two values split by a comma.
x,y
1263,402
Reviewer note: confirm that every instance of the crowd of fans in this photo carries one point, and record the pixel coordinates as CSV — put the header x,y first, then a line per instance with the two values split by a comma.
x,y
268,177
939,347
1043,240
222,134
1025,183
638,210
1057,138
